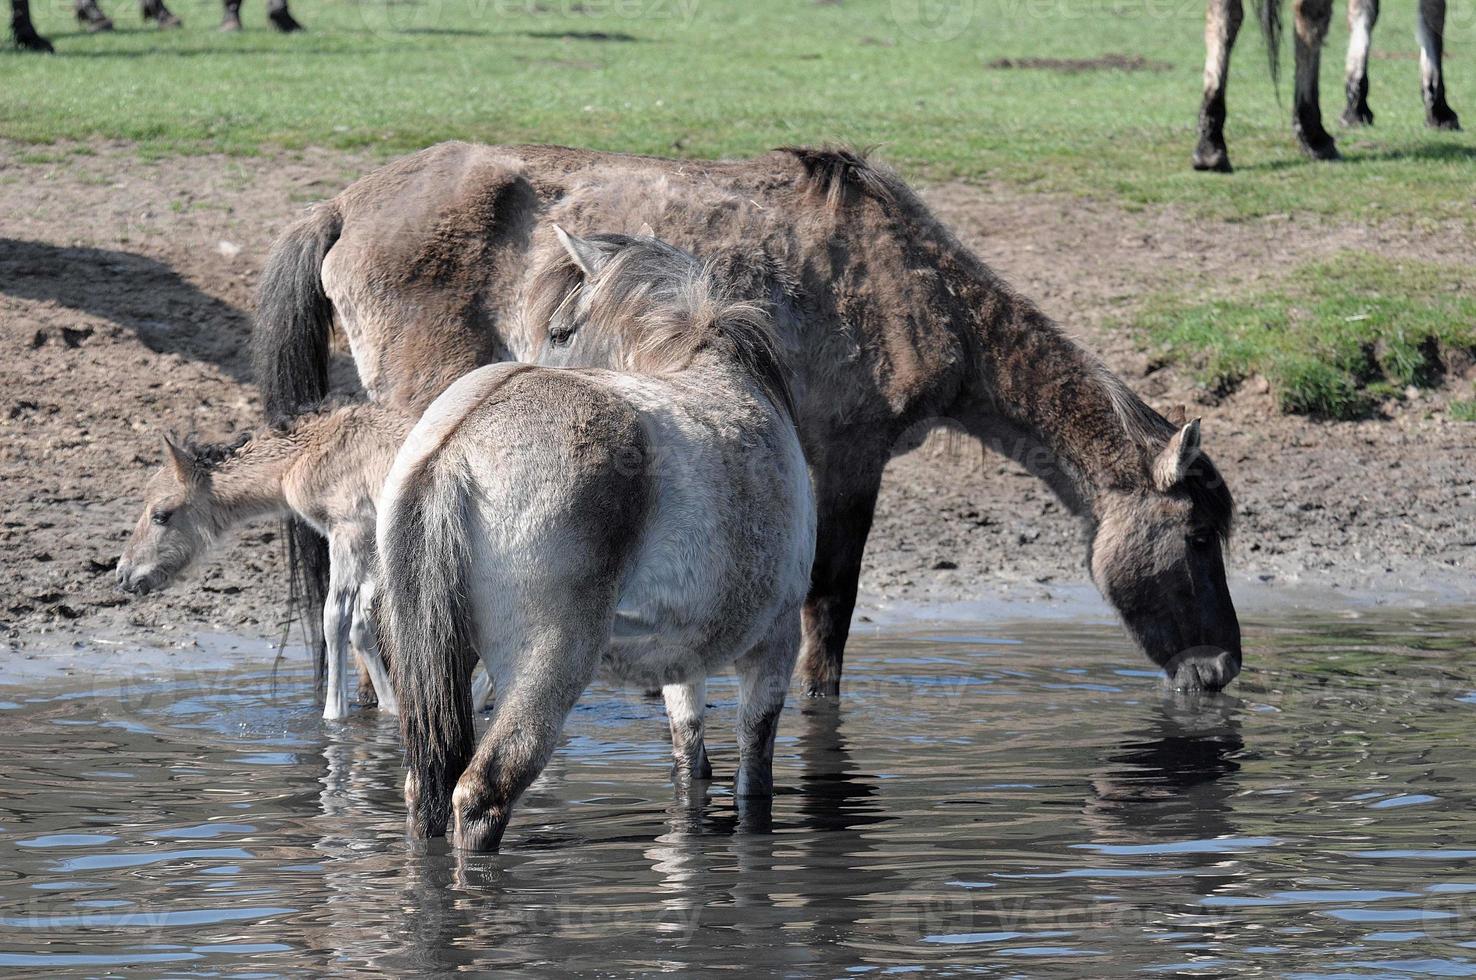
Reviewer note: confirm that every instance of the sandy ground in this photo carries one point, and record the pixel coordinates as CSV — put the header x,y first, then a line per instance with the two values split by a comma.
x,y
125,287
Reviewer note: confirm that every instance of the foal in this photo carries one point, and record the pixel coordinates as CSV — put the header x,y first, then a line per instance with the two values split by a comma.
x,y
327,468
654,520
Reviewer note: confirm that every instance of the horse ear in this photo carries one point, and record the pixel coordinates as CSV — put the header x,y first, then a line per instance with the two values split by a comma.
x,y
646,230
1172,465
585,254
186,469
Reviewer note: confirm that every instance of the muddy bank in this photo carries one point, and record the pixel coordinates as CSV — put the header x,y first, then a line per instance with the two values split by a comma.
x,y
124,291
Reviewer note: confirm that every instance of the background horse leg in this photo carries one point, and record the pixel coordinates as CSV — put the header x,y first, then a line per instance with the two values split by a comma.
x,y
90,15
685,705
1362,15
1221,24
1431,32
1312,20
155,11
22,31
280,17
844,507
763,681
232,19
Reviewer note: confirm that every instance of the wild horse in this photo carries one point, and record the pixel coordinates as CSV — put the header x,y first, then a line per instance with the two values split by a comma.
x,y
890,326
650,519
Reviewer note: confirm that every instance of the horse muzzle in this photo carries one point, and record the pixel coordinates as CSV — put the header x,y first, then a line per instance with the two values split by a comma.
x,y
136,582
1203,668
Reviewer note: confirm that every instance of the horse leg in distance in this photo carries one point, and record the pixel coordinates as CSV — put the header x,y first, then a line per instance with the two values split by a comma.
x,y
155,11
281,17
22,31
1312,18
1362,15
90,16
1222,21
1438,113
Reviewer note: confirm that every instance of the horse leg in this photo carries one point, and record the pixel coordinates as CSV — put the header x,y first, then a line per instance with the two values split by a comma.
x,y
844,510
280,17
1362,15
22,31
1438,113
1221,25
763,681
1312,19
90,16
527,717
365,641
685,705
155,11
337,627
232,19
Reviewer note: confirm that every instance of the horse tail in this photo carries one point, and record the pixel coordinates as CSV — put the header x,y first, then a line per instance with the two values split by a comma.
x,y
289,353
428,632
1268,12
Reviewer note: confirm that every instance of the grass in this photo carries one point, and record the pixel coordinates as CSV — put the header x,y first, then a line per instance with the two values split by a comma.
x,y
705,78
1333,340
1463,411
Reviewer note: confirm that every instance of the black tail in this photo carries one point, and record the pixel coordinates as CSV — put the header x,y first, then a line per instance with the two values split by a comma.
x,y
429,637
289,351
1269,14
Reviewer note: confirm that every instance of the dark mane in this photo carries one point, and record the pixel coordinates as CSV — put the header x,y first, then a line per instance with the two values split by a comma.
x,y
833,171
211,454
657,307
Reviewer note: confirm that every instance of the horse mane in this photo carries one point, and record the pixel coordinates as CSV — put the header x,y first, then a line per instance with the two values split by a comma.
x,y
832,171
664,306
1150,433
213,454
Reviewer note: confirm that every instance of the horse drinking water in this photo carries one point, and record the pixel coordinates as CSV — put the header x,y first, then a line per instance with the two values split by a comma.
x,y
652,519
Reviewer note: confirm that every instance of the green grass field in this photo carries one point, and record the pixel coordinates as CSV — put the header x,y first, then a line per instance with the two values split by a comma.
x,y
922,79
709,78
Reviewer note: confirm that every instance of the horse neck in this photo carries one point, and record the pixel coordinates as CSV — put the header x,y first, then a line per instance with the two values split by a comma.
x,y
249,483
343,459
1039,398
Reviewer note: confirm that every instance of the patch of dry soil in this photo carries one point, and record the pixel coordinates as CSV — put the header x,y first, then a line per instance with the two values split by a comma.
x,y
124,291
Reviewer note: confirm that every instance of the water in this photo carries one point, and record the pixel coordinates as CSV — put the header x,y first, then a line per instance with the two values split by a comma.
x,y
1020,802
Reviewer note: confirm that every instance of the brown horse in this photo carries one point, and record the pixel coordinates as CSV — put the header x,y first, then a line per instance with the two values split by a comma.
x,y
890,326
1222,24
90,15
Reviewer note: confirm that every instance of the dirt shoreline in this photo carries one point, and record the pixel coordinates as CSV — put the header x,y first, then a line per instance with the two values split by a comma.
x,y
124,291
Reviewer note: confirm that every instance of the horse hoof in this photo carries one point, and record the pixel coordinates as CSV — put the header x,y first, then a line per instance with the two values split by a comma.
x,y
1357,115
1321,147
284,22
230,25
1202,669
31,41
169,22
95,25
1444,118
1211,158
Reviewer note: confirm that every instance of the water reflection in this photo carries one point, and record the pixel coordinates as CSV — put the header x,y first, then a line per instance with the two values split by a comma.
x,y
972,804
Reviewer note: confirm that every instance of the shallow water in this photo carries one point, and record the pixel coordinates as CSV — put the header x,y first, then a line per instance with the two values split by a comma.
x,y
1018,801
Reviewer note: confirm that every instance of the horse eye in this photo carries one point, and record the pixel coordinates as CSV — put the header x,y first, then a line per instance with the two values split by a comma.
x,y
1201,540
561,337
161,517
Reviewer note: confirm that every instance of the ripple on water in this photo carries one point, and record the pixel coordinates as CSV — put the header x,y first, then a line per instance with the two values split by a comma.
x,y
1017,801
